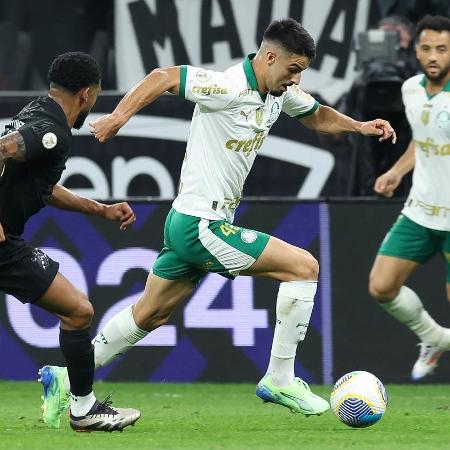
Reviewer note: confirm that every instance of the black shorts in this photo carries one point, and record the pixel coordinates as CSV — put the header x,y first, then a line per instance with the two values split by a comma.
x,y
25,272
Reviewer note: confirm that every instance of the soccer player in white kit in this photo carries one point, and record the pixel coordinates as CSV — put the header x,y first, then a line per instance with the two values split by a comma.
x,y
423,227
234,112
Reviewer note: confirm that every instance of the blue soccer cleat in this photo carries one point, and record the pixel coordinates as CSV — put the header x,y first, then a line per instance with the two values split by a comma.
x,y
56,398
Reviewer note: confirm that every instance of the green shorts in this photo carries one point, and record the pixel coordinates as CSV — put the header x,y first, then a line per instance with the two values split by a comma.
x,y
409,240
194,246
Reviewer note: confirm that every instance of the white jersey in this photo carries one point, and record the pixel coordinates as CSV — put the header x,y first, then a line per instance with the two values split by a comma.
x,y
230,123
428,203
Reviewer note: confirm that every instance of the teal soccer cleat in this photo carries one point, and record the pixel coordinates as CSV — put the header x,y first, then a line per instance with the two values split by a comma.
x,y
56,399
297,397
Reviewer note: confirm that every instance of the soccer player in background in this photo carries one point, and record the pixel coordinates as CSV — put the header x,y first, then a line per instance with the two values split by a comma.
x,y
33,151
423,227
234,113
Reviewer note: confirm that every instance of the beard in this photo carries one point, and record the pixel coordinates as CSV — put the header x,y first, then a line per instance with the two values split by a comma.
x,y
80,119
439,76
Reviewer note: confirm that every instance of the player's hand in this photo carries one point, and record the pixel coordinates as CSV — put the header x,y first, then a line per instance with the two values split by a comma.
x,y
105,127
2,234
120,212
381,128
387,183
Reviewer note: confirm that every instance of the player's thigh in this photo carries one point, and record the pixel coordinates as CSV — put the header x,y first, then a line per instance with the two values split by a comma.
x,y
406,245
410,241
25,272
214,246
171,280
32,276
161,296
67,302
284,262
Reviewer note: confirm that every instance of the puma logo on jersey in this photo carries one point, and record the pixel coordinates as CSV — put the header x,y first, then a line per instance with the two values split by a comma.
x,y
242,113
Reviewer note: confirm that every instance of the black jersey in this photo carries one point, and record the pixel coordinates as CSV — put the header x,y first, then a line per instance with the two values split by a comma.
x,y
25,186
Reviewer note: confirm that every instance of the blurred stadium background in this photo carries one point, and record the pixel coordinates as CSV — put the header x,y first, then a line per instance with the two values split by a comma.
x,y
313,191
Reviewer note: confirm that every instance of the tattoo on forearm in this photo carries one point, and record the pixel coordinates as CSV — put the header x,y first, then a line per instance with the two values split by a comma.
x,y
12,146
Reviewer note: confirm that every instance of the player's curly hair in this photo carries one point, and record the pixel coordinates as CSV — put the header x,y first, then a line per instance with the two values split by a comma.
x,y
74,71
292,36
436,23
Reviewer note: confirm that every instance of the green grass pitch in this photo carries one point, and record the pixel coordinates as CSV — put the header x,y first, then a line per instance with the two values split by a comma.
x,y
214,416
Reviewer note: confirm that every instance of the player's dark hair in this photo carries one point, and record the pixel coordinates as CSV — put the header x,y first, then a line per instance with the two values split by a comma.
x,y
292,36
74,71
436,23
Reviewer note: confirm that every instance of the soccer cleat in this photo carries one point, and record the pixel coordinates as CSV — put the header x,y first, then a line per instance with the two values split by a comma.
x,y
426,362
103,417
56,399
297,397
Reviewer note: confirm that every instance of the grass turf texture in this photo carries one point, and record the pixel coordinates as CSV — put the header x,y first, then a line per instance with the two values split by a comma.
x,y
207,416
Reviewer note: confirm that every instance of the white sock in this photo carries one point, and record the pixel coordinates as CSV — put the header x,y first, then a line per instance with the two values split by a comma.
x,y
408,309
118,336
81,405
295,303
66,382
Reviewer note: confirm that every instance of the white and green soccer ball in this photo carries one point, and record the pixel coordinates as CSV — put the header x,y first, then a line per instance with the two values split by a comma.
x,y
359,399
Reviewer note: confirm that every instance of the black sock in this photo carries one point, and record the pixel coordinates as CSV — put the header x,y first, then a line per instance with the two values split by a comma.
x,y
79,353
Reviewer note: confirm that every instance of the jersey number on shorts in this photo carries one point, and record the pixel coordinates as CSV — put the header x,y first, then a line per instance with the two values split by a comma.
x,y
228,229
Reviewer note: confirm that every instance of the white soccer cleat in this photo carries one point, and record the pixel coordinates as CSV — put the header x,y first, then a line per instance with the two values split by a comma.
x,y
104,417
426,363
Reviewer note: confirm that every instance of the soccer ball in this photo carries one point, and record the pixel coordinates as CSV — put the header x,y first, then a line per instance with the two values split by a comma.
x,y
359,399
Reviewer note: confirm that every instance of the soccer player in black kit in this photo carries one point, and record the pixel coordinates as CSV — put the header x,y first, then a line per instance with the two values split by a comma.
x,y
33,151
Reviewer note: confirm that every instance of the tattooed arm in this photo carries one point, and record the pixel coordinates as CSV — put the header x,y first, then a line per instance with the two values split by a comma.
x,y
12,146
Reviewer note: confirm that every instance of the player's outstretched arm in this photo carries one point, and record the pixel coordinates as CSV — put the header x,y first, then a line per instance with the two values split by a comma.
x,y
387,183
63,198
328,120
145,92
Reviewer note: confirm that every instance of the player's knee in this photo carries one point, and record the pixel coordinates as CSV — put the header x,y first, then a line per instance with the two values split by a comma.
x,y
307,267
380,290
83,313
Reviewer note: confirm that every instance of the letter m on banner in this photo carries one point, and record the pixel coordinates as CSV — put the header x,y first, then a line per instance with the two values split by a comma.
x,y
157,25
